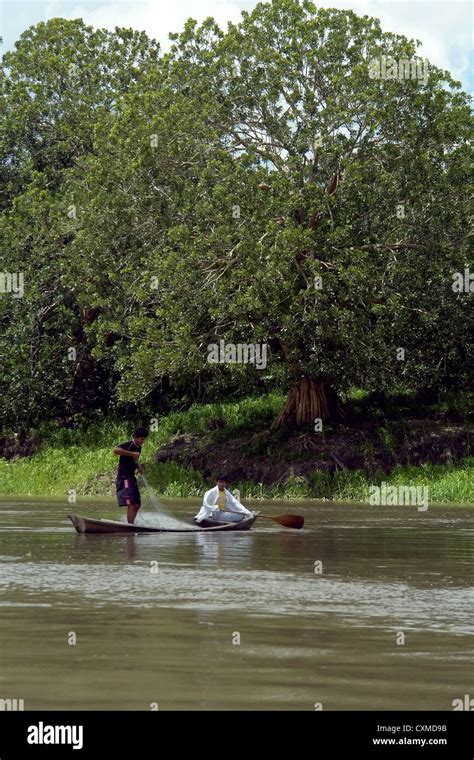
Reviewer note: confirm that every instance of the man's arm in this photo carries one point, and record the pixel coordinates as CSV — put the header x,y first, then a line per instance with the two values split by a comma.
x,y
124,453
207,508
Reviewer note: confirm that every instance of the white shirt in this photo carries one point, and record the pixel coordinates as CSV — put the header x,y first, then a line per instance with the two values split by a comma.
x,y
210,505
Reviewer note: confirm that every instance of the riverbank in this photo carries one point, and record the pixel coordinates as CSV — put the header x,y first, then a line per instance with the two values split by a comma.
x,y
184,453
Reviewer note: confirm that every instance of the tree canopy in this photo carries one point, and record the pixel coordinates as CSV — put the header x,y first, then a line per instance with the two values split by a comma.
x,y
257,185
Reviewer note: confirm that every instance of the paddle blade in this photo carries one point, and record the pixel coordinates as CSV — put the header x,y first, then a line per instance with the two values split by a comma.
x,y
290,521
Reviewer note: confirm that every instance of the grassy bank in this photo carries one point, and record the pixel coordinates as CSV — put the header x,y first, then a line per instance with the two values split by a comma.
x,y
82,460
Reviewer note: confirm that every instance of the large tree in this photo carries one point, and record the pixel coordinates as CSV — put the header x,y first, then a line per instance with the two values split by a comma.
x,y
252,186
302,203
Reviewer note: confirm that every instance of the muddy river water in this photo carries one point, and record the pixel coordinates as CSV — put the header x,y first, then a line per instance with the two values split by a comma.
x,y
365,608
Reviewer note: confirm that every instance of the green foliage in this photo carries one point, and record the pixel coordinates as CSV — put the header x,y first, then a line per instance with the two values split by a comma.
x,y
388,435
159,203
248,414
81,458
447,485
298,73
62,80
174,480
55,471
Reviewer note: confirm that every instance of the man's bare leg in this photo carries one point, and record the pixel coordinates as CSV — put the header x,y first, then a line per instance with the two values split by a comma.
x,y
132,510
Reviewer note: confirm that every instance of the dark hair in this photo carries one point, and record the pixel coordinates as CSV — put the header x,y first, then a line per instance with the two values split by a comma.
x,y
221,477
140,432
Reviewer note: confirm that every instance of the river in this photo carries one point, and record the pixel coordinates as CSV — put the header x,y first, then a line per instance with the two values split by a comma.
x,y
238,620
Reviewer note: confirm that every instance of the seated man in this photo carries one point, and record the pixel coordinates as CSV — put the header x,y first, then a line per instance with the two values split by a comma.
x,y
219,504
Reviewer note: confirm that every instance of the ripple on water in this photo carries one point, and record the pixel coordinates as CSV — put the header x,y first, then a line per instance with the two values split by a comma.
x,y
263,592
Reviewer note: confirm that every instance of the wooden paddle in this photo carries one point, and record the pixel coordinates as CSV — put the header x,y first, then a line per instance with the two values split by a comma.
x,y
288,521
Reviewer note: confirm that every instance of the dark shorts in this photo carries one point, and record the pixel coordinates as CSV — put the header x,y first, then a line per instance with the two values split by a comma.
x,y
127,492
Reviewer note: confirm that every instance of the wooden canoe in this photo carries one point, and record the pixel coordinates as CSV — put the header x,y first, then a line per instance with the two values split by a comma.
x,y
209,522
89,525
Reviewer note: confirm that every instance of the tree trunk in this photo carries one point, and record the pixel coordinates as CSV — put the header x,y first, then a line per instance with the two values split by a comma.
x,y
308,401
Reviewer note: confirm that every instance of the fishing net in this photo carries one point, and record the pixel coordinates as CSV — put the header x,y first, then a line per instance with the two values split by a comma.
x,y
154,514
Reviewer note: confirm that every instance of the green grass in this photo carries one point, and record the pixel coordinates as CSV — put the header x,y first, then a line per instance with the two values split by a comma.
x,y
54,471
446,484
174,480
248,414
404,404
91,471
81,459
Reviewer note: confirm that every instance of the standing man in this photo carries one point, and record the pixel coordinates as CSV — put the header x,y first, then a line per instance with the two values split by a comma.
x,y
128,494
220,504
